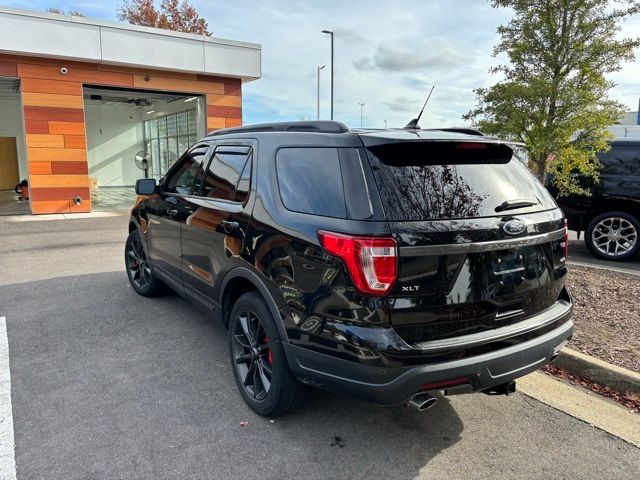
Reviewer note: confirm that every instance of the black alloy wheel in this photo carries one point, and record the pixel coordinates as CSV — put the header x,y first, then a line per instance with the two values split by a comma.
x,y
258,361
252,355
138,269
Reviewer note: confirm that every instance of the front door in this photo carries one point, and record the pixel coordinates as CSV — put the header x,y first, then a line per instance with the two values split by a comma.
x,y
169,210
9,176
213,237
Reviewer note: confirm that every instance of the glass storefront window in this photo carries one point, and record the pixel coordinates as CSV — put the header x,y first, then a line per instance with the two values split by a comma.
x,y
183,124
168,137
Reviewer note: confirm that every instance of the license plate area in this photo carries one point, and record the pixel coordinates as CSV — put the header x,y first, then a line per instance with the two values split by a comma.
x,y
508,262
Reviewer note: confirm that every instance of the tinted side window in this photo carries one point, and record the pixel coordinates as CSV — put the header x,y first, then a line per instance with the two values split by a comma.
x,y
621,160
310,181
182,179
224,172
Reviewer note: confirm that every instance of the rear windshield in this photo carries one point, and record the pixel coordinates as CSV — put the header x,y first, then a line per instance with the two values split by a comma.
x,y
446,180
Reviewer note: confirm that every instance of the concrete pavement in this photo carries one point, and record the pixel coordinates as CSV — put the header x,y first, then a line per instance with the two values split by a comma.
x,y
107,384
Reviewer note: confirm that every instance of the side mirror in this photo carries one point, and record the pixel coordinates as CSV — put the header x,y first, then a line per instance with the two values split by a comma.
x,y
145,186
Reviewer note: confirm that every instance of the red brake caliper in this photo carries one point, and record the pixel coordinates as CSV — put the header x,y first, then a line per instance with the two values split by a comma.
x,y
265,340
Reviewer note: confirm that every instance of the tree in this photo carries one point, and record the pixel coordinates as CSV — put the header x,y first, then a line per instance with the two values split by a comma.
x,y
553,96
75,13
171,15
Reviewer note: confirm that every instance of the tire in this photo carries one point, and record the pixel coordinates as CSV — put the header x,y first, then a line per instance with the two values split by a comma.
x,y
258,361
613,236
139,271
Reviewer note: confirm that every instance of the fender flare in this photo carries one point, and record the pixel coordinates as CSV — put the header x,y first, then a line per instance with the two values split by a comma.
x,y
252,277
143,235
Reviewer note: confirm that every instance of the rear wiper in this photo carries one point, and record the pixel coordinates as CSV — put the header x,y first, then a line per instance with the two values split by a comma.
x,y
517,203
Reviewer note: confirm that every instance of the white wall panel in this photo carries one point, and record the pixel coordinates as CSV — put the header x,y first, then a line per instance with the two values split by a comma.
x,y
30,35
158,51
114,136
220,59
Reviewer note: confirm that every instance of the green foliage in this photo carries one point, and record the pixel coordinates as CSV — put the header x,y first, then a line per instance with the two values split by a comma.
x,y
553,95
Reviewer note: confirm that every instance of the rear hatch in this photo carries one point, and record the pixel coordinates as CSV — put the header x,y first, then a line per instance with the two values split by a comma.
x,y
481,241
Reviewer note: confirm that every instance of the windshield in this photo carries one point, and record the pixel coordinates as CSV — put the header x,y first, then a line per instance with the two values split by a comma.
x,y
417,182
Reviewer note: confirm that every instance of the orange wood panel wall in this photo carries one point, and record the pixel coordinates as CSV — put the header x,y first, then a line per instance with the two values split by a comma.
x,y
53,110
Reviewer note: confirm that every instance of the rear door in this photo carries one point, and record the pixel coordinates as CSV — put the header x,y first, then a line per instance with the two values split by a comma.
x,y
620,173
480,239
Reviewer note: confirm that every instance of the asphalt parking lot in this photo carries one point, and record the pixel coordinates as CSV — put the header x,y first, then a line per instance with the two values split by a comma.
x,y
109,385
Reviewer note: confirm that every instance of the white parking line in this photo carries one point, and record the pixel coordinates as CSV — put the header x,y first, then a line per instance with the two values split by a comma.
x,y
7,445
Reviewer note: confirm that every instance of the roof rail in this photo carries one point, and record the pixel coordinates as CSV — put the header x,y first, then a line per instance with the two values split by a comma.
x,y
321,126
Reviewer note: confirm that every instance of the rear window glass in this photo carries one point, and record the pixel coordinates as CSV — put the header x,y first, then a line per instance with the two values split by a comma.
x,y
437,180
310,181
621,160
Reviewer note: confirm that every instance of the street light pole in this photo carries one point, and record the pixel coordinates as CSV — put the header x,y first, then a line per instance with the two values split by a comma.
x,y
318,106
362,104
329,32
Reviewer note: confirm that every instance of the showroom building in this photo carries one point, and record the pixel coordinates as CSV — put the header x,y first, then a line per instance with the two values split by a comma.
x,y
87,107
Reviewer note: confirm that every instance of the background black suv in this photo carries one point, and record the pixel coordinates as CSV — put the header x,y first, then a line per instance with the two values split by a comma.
x,y
610,217
382,264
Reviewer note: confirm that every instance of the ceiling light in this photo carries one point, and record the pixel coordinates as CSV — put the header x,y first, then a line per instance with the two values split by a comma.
x,y
190,99
150,112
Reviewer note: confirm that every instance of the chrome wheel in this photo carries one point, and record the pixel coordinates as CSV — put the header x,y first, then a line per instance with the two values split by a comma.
x,y
614,236
252,356
137,264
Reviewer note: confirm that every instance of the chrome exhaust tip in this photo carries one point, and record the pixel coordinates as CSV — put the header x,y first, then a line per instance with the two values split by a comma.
x,y
422,401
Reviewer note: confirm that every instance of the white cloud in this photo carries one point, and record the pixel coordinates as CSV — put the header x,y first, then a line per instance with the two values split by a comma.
x,y
387,54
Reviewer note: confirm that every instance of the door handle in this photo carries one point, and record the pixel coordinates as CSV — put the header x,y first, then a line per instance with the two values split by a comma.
x,y
227,225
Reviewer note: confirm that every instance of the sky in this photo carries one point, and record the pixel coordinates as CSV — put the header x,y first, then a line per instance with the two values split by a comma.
x,y
388,54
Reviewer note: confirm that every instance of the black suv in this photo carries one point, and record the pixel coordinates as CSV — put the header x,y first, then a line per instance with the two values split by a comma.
x,y
610,216
387,264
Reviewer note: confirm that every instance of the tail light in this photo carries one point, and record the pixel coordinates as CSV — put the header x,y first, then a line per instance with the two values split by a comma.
x,y
565,239
372,262
471,146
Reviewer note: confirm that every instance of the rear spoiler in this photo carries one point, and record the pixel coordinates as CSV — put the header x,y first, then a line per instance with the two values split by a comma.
x,y
439,151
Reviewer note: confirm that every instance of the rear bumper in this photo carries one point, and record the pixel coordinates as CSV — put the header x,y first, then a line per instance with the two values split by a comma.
x,y
393,385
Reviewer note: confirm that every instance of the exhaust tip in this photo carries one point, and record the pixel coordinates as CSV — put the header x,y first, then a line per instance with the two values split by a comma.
x,y
422,401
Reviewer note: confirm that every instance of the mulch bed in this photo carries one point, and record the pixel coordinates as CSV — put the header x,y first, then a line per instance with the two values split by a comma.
x,y
606,315
630,401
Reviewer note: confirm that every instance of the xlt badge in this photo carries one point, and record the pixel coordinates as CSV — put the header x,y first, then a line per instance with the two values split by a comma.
x,y
411,288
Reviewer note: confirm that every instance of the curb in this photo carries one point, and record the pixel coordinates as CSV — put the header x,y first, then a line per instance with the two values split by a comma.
x,y
598,371
63,216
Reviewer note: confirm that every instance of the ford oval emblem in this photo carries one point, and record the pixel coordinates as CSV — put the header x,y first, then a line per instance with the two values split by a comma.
x,y
514,227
